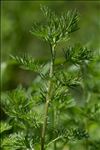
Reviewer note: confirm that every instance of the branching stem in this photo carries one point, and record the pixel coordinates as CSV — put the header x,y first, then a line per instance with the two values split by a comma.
x,y
59,137
48,96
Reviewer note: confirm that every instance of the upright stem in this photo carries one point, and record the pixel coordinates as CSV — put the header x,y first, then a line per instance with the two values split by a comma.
x,y
54,115
48,97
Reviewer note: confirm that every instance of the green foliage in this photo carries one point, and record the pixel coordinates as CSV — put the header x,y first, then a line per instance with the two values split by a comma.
x,y
27,62
55,110
57,28
15,141
78,54
94,145
4,127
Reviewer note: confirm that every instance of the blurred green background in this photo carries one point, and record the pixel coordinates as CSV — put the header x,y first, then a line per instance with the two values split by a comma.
x,y
16,21
17,18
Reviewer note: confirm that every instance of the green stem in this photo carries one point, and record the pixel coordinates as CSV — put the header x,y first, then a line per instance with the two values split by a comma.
x,y
59,137
48,97
53,124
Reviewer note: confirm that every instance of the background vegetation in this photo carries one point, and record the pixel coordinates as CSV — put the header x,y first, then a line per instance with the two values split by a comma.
x,y
16,22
